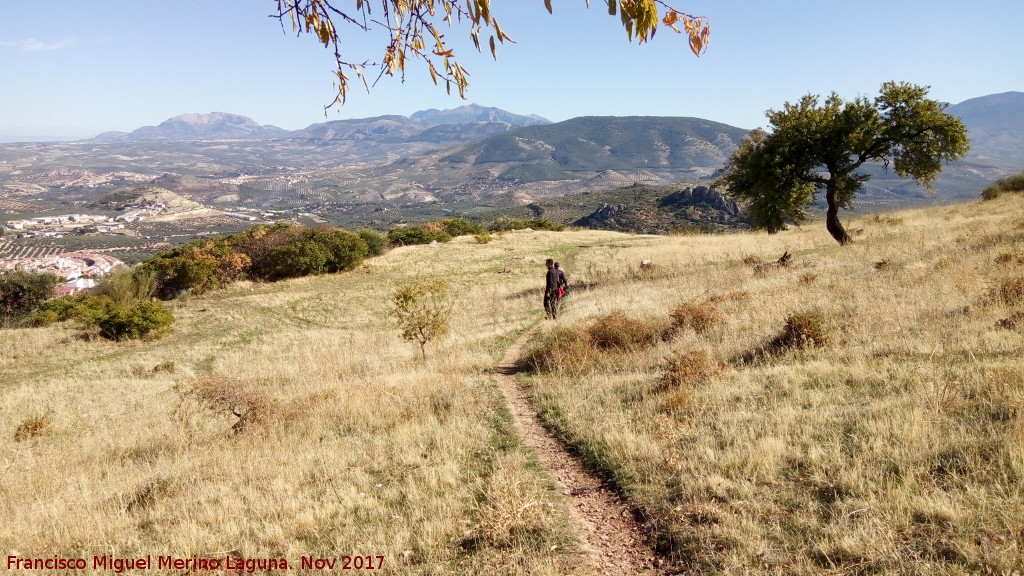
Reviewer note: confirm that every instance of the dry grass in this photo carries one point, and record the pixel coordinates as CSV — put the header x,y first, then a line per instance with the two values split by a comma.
x,y
884,434
287,419
896,446
697,317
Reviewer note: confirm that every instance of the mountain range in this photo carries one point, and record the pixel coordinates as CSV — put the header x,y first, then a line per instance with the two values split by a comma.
x,y
477,121
388,168
995,126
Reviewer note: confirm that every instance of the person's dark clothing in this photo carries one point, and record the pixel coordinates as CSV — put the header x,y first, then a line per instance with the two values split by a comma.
x,y
554,280
554,275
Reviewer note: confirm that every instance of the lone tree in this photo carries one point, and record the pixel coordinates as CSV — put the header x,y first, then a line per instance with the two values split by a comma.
x,y
815,147
416,31
422,311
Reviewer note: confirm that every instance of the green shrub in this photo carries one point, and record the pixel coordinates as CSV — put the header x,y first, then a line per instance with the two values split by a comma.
x,y
143,319
126,286
313,251
22,291
376,243
58,310
345,250
412,235
109,318
1013,183
460,227
263,252
422,311
505,224
293,260
484,238
196,267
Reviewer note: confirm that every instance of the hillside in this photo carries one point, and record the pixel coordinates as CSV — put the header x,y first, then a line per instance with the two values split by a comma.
x,y
996,127
637,209
892,444
594,144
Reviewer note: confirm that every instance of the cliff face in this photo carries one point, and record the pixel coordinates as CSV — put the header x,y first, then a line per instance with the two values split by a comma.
x,y
689,208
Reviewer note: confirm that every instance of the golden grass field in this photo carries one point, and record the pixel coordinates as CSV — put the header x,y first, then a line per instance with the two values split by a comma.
x,y
896,447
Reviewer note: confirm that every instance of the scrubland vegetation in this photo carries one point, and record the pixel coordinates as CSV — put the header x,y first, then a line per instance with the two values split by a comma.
x,y
854,410
858,410
1009,184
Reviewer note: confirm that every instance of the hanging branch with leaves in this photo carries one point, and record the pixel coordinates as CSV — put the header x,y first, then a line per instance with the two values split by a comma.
x,y
413,29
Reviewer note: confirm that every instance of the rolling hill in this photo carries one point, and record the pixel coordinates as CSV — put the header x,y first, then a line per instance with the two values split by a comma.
x,y
995,124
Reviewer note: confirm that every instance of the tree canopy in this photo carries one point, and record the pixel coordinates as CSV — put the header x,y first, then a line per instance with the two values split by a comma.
x,y
814,147
415,30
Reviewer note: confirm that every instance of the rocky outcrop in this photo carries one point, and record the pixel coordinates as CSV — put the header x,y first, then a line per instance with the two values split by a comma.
x,y
701,196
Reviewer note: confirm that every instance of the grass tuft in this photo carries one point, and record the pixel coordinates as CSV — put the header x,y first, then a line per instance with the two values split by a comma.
x,y
32,427
697,317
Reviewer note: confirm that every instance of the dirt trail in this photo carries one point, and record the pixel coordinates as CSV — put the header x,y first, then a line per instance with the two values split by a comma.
x,y
613,540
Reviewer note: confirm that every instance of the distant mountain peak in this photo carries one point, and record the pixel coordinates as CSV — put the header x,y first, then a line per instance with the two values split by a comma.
x,y
195,126
476,113
211,119
995,125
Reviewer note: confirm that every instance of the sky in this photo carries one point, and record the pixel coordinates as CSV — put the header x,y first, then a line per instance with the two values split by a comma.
x,y
72,70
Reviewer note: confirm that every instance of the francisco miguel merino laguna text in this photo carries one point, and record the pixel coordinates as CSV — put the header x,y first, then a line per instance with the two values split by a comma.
x,y
118,565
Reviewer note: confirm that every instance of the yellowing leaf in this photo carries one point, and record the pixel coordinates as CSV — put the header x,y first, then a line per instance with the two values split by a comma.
x,y
696,45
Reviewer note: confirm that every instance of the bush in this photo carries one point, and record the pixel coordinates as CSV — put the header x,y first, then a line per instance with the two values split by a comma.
x,y
460,227
141,320
697,317
802,330
571,350
196,267
230,397
263,252
126,286
22,291
563,350
412,235
484,238
376,243
1013,183
110,319
422,311
689,369
58,310
620,332
505,224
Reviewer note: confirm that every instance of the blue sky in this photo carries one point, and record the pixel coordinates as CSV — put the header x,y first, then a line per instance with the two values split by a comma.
x,y
75,69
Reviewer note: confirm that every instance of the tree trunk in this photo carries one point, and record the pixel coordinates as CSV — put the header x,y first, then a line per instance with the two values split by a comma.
x,y
832,223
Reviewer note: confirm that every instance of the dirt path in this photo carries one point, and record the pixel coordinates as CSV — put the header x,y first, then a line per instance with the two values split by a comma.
x,y
613,541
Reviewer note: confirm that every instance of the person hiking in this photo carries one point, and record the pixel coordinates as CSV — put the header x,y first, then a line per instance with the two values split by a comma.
x,y
554,289
563,282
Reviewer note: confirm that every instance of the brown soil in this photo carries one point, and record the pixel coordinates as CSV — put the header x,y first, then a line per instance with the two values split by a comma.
x,y
613,541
